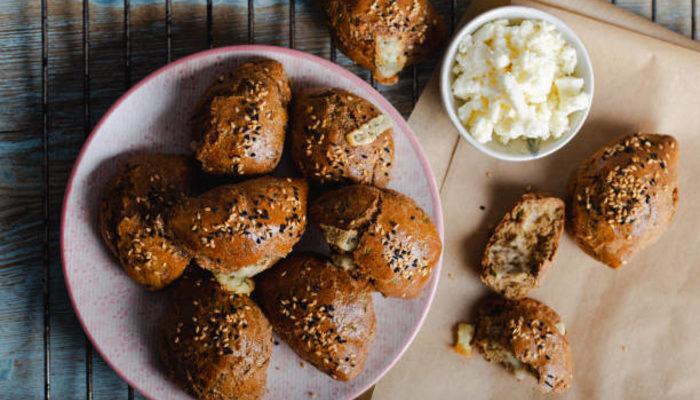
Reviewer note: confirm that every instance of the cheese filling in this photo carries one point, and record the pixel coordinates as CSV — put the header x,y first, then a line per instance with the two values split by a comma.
x,y
369,132
343,240
389,56
239,281
344,261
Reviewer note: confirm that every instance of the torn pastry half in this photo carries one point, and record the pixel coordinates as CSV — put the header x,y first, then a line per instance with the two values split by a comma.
x,y
524,245
380,236
528,338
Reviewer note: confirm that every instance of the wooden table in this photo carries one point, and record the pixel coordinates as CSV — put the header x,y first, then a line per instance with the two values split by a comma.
x,y
63,63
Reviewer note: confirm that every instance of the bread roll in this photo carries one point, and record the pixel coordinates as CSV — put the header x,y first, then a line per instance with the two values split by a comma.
x,y
527,338
215,344
132,213
324,315
381,236
338,137
242,229
241,121
624,197
384,36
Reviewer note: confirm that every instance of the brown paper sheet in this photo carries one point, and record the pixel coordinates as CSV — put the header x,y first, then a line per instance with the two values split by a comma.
x,y
634,332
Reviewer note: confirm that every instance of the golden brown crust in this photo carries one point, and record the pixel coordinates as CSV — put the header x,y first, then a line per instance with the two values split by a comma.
x,y
241,121
322,120
324,315
216,344
533,334
523,245
353,208
360,26
236,226
397,244
624,197
132,211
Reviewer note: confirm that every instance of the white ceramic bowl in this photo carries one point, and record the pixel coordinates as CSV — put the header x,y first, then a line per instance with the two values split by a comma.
x,y
517,150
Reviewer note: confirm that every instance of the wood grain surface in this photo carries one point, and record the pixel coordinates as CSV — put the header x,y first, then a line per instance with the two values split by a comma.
x,y
89,62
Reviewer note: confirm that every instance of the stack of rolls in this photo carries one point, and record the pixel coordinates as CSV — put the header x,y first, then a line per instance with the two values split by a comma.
x,y
228,252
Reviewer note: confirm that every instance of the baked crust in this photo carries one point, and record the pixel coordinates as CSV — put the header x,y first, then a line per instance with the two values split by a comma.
x,y
384,36
323,119
241,120
132,211
214,343
624,197
250,224
526,336
324,315
397,245
523,245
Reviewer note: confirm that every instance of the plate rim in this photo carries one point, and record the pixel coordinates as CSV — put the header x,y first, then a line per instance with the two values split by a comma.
x,y
377,97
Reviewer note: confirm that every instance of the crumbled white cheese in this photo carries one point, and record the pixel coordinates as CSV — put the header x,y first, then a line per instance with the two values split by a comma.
x,y
517,80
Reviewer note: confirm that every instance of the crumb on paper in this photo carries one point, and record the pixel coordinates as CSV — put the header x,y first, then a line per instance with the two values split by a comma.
x,y
465,333
449,275
560,327
489,174
624,348
482,208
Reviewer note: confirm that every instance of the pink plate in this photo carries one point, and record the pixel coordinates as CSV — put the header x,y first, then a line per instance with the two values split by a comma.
x,y
120,317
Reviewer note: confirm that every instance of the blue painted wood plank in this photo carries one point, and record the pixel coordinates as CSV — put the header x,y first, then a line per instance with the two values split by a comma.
x,y
21,339
66,135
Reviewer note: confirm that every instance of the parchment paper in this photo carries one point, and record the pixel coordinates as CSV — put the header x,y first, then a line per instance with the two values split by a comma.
x,y
634,332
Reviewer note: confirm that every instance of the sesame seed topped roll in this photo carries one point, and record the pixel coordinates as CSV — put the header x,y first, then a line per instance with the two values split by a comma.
x,y
384,36
527,338
214,343
380,236
132,212
624,197
338,137
242,229
321,312
240,123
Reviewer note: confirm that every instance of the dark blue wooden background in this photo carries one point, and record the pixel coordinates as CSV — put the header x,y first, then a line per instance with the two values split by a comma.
x,y
49,101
